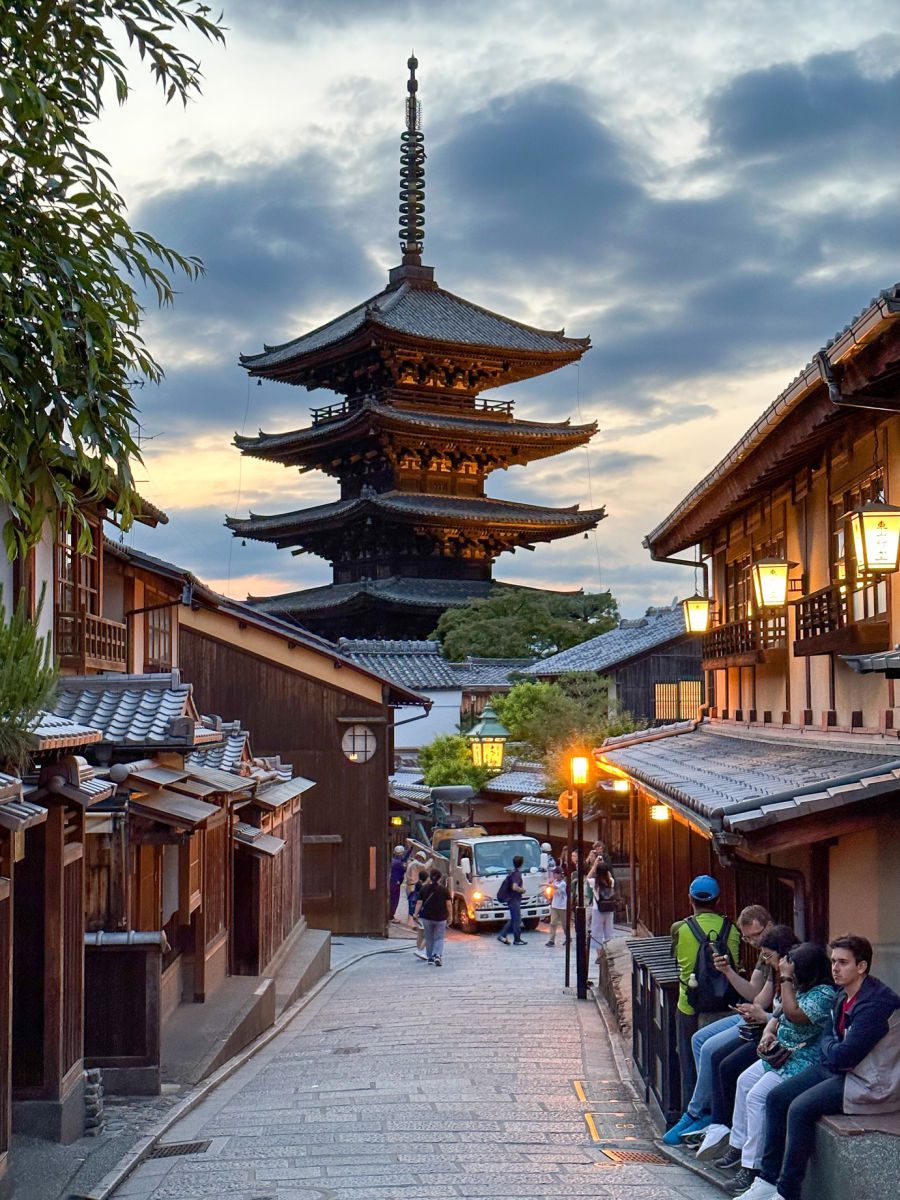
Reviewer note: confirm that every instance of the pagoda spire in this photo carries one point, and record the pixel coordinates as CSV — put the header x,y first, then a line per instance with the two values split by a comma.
x,y
412,174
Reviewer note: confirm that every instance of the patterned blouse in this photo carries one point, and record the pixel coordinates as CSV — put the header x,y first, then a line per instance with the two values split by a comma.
x,y
816,1004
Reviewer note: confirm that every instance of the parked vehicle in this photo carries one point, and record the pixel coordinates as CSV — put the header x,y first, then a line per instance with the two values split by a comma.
x,y
477,867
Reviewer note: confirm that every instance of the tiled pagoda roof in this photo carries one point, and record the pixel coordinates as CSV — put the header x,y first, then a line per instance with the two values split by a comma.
x,y
424,313
419,508
436,594
540,437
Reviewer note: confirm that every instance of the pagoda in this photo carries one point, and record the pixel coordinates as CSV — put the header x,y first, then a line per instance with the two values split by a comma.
x,y
411,441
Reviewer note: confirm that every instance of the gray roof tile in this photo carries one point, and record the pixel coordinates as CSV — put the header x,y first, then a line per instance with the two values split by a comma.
x,y
415,663
130,709
628,640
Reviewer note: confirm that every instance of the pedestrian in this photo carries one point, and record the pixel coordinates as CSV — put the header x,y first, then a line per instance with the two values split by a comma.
x,y
859,1071
435,909
417,921
693,942
398,871
510,893
558,905
419,863
789,1044
548,862
603,906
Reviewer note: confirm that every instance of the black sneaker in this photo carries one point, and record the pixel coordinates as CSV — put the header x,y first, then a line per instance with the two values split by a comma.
x,y
741,1181
437,961
520,942
729,1159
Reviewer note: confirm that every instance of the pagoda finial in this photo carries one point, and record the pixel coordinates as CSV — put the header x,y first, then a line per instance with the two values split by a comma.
x,y
412,174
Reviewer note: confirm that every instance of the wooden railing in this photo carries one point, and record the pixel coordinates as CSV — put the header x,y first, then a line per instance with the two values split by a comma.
x,y
88,642
826,625
747,637
333,412
495,406
821,612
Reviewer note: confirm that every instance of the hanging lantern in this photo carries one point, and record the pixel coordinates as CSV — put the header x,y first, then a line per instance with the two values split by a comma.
x,y
659,812
696,613
487,741
770,582
578,767
876,538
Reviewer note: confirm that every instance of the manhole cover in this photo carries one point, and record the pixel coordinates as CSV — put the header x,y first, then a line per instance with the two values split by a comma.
x,y
178,1149
633,1156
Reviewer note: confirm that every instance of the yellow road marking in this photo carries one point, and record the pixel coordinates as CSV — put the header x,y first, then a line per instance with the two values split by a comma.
x,y
592,1128
579,1091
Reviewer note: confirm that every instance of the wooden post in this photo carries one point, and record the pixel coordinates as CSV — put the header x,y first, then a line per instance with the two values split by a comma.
x,y
53,950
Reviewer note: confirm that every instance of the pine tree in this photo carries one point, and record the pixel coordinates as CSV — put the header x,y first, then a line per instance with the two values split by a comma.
x,y
28,679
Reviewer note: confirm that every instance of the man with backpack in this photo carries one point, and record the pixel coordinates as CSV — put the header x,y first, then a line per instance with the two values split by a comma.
x,y
510,892
702,987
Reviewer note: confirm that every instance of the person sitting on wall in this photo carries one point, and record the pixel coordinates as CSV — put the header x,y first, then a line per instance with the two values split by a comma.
x,y
859,1071
687,950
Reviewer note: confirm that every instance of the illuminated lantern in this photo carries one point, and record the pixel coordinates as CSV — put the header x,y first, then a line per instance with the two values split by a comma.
x,y
659,812
487,741
579,770
696,614
876,538
620,785
770,582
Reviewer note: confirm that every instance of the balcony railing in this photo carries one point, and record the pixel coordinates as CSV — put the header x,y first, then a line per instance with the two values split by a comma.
x,y
825,626
495,406
91,643
745,640
333,412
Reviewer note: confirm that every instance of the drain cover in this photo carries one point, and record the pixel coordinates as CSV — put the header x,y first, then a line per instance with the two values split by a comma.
x,y
178,1149
633,1156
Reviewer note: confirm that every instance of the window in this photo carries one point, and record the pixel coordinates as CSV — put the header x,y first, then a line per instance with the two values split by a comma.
x,y
865,598
358,743
157,632
678,701
76,585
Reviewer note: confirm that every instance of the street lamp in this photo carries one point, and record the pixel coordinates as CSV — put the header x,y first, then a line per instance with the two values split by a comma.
x,y
578,774
770,582
696,613
487,741
876,538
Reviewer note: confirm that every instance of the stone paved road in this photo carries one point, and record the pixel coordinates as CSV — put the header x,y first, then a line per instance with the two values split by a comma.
x,y
404,1080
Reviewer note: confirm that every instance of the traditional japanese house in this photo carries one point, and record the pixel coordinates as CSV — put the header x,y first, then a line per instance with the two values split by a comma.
x,y
787,791
411,442
653,666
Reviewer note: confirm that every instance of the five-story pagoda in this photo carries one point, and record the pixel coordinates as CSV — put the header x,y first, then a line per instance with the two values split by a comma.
x,y
411,442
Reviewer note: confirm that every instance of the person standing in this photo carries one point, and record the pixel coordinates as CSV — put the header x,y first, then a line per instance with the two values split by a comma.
x,y
548,862
398,871
559,903
510,892
435,909
603,906
419,863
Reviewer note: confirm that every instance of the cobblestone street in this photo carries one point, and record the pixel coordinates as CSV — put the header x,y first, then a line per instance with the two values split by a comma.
x,y
405,1080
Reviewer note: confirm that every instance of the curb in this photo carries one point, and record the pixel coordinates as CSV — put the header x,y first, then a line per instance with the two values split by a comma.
x,y
140,1150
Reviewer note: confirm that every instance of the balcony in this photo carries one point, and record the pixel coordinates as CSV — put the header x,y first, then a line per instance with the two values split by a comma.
x,y
824,626
85,642
745,643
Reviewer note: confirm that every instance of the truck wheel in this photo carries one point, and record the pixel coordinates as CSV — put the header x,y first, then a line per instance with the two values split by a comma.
x,y
531,924
463,920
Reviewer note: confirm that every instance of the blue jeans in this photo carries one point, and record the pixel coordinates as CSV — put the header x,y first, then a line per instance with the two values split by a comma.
x,y
435,932
706,1040
514,924
792,1110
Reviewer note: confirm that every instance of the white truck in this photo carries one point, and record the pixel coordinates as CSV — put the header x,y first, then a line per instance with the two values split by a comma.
x,y
479,864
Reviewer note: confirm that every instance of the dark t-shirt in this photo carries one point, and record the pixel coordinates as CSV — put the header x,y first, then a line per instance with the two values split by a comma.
x,y
434,899
515,880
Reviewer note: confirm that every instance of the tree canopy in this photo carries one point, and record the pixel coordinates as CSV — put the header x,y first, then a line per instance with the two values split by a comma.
x,y
447,761
520,623
70,342
573,709
27,680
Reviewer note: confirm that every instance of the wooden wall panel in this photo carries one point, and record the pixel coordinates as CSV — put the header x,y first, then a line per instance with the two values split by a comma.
x,y
298,717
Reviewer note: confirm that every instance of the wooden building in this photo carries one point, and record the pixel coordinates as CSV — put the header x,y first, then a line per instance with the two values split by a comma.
x,y
411,442
652,665
787,791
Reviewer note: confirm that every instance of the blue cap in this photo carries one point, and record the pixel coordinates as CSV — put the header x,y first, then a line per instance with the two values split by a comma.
x,y
704,887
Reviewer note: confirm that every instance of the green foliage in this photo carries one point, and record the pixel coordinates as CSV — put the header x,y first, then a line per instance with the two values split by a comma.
x,y
70,343
515,623
447,761
572,712
27,681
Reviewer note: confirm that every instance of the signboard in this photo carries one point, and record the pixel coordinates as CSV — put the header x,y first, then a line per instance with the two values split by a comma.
x,y
567,804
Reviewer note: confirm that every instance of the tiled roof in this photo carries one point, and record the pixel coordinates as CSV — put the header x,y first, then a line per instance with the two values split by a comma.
x,y
740,782
424,312
478,673
419,593
282,528
49,731
630,639
417,795
227,755
885,662
518,782
418,664
130,709
281,447
533,806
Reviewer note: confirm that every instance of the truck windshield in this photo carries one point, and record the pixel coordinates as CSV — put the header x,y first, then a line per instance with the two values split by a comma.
x,y
496,858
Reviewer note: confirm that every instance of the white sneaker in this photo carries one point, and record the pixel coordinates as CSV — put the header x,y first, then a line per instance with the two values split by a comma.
x,y
713,1137
420,954
760,1190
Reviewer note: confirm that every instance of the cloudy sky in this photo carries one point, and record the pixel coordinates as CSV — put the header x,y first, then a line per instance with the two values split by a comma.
x,y
708,191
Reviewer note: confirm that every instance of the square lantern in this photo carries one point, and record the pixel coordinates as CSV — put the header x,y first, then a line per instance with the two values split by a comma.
x,y
876,538
487,741
696,613
579,770
770,582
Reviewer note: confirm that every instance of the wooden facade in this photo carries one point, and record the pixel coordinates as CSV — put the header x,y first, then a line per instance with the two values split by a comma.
x,y
664,685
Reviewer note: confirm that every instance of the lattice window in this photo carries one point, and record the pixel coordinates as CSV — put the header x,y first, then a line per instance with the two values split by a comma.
x,y
678,701
359,743
157,633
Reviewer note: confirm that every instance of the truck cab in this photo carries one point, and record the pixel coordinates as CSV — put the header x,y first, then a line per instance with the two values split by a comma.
x,y
478,865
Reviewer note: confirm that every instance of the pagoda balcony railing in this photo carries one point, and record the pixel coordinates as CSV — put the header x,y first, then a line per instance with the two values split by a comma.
x,y
825,625
87,642
333,412
742,643
495,406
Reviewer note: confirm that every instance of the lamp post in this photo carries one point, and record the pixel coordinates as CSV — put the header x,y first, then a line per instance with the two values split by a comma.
x,y
579,777
567,804
487,741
